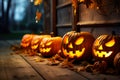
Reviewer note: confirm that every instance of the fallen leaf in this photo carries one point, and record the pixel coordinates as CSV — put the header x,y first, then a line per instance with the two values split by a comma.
x,y
37,2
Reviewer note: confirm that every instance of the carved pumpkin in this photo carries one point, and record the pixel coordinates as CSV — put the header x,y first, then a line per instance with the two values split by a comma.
x,y
77,45
106,47
36,41
50,46
26,40
117,62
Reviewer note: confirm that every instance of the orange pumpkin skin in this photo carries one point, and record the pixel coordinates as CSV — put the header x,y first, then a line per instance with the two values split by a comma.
x,y
117,62
77,45
26,40
50,46
106,47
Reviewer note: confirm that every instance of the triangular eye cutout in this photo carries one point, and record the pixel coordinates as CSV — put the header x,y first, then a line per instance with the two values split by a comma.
x,y
66,40
79,40
110,43
36,41
49,43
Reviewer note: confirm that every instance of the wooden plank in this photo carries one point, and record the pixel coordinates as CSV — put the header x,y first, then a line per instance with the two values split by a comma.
x,y
13,67
16,67
53,72
64,4
2,70
113,23
64,25
64,15
57,73
91,76
91,16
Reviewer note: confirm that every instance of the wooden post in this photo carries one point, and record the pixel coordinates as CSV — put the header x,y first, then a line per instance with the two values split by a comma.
x,y
53,17
75,13
47,16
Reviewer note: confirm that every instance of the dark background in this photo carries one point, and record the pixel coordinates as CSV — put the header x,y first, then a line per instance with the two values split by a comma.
x,y
17,17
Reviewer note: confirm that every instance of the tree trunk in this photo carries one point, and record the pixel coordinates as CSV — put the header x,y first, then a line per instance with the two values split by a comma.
x,y
5,17
2,18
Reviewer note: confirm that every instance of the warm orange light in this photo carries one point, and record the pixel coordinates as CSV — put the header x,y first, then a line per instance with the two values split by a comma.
x,y
102,53
34,46
70,45
66,40
100,48
72,54
49,43
45,50
110,43
79,41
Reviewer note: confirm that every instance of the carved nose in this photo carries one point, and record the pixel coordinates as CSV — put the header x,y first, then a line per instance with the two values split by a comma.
x,y
43,45
70,45
100,47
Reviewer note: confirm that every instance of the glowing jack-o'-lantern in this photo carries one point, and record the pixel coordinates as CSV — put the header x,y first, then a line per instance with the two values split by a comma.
x,y
36,41
77,45
50,46
26,40
106,47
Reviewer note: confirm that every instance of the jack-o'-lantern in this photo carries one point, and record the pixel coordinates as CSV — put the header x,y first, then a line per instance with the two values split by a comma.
x,y
117,62
50,46
105,47
36,41
77,45
26,40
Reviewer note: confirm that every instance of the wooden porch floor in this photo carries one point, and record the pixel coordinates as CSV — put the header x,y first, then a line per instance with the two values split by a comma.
x,y
21,67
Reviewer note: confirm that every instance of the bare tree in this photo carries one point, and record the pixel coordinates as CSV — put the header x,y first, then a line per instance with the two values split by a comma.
x,y
5,17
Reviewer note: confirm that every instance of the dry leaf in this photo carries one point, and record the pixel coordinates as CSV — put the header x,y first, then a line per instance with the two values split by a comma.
x,y
37,2
80,68
38,59
89,68
67,64
58,57
38,16
53,63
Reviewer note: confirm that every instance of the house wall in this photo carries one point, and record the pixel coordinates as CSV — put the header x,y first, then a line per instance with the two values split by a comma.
x,y
89,19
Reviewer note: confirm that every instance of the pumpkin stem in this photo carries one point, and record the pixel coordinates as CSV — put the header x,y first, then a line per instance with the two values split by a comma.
x,y
52,34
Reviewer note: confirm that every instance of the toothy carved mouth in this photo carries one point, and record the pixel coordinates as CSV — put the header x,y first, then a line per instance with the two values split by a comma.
x,y
25,44
45,50
102,53
77,53
34,46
